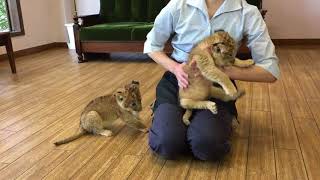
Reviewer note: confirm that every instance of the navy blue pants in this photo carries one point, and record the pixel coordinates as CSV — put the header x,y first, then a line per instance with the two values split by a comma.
x,y
208,135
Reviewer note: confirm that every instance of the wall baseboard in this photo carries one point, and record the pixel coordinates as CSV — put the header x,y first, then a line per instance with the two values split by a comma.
x,y
293,42
35,49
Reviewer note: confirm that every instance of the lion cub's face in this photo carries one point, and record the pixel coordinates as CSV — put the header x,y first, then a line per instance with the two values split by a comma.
x,y
223,49
129,97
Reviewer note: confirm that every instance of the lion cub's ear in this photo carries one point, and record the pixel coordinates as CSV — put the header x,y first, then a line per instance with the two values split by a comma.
x,y
135,82
118,92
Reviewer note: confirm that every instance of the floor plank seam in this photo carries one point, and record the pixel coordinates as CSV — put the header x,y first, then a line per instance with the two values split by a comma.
x,y
297,136
29,149
313,115
273,141
39,161
61,115
73,152
141,159
299,84
100,149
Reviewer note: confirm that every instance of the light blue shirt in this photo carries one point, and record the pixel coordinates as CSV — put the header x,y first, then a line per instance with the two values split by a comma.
x,y
188,22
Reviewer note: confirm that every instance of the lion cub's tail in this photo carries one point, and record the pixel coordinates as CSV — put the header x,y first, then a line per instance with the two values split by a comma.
x,y
71,138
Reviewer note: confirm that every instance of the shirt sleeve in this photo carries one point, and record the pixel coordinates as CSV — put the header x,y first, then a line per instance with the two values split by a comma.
x,y
260,44
161,31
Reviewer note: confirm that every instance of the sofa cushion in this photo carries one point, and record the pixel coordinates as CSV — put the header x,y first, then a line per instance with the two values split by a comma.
x,y
154,8
107,10
130,10
122,31
115,10
139,32
138,10
122,10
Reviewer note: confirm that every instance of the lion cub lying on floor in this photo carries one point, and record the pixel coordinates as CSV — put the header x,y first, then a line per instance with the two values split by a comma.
x,y
125,103
202,68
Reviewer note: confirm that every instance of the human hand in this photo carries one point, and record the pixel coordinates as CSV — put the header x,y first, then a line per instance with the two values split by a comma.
x,y
182,77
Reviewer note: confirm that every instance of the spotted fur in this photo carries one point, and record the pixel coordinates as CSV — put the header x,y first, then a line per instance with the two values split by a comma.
x,y
100,113
202,68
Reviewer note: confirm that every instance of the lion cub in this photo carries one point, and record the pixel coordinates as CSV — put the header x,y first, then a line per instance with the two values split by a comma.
x,y
125,103
212,53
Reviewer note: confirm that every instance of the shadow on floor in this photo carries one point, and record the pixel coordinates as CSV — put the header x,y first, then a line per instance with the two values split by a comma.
x,y
121,57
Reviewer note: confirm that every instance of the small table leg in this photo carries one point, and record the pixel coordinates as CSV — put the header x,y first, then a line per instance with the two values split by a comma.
x,y
10,55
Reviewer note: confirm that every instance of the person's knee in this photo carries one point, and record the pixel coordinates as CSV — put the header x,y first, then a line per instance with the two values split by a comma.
x,y
167,135
167,146
210,147
209,136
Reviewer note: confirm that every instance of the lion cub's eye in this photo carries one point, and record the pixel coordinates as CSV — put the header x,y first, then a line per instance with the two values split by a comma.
x,y
133,104
120,98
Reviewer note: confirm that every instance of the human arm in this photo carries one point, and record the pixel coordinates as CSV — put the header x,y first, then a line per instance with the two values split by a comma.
x,y
253,74
162,30
266,67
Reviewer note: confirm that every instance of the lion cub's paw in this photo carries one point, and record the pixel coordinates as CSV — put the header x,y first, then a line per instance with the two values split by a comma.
x,y
250,62
186,121
145,130
106,133
231,91
212,107
239,94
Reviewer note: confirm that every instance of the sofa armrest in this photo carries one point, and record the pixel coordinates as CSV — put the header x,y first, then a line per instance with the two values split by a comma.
x,y
87,20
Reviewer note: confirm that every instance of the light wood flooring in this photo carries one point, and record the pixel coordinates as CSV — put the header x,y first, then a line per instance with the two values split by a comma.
x,y
279,135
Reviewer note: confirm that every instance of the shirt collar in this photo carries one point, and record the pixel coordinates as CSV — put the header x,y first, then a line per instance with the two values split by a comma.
x,y
227,6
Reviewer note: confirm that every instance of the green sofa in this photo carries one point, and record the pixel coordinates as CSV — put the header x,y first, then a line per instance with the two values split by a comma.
x,y
121,26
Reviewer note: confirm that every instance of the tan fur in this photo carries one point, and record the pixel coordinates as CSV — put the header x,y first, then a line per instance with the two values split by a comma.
x,y
96,117
202,68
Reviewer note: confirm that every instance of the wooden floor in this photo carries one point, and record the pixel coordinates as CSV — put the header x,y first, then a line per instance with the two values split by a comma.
x,y
279,135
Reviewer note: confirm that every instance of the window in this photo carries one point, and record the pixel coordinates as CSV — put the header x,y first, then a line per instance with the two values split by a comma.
x,y
11,17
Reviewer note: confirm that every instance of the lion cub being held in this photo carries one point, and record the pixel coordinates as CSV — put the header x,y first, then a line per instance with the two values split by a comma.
x,y
125,103
212,53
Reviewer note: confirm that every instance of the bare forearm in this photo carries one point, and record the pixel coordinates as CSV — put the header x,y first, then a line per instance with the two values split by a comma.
x,y
253,74
162,59
172,66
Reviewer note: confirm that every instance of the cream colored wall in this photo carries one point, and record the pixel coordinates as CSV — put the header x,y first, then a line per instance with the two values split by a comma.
x,y
293,19
43,23
57,15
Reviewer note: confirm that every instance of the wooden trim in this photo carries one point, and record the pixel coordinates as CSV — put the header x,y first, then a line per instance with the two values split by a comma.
x,y
116,46
21,21
21,25
36,49
101,47
295,42
60,44
76,34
